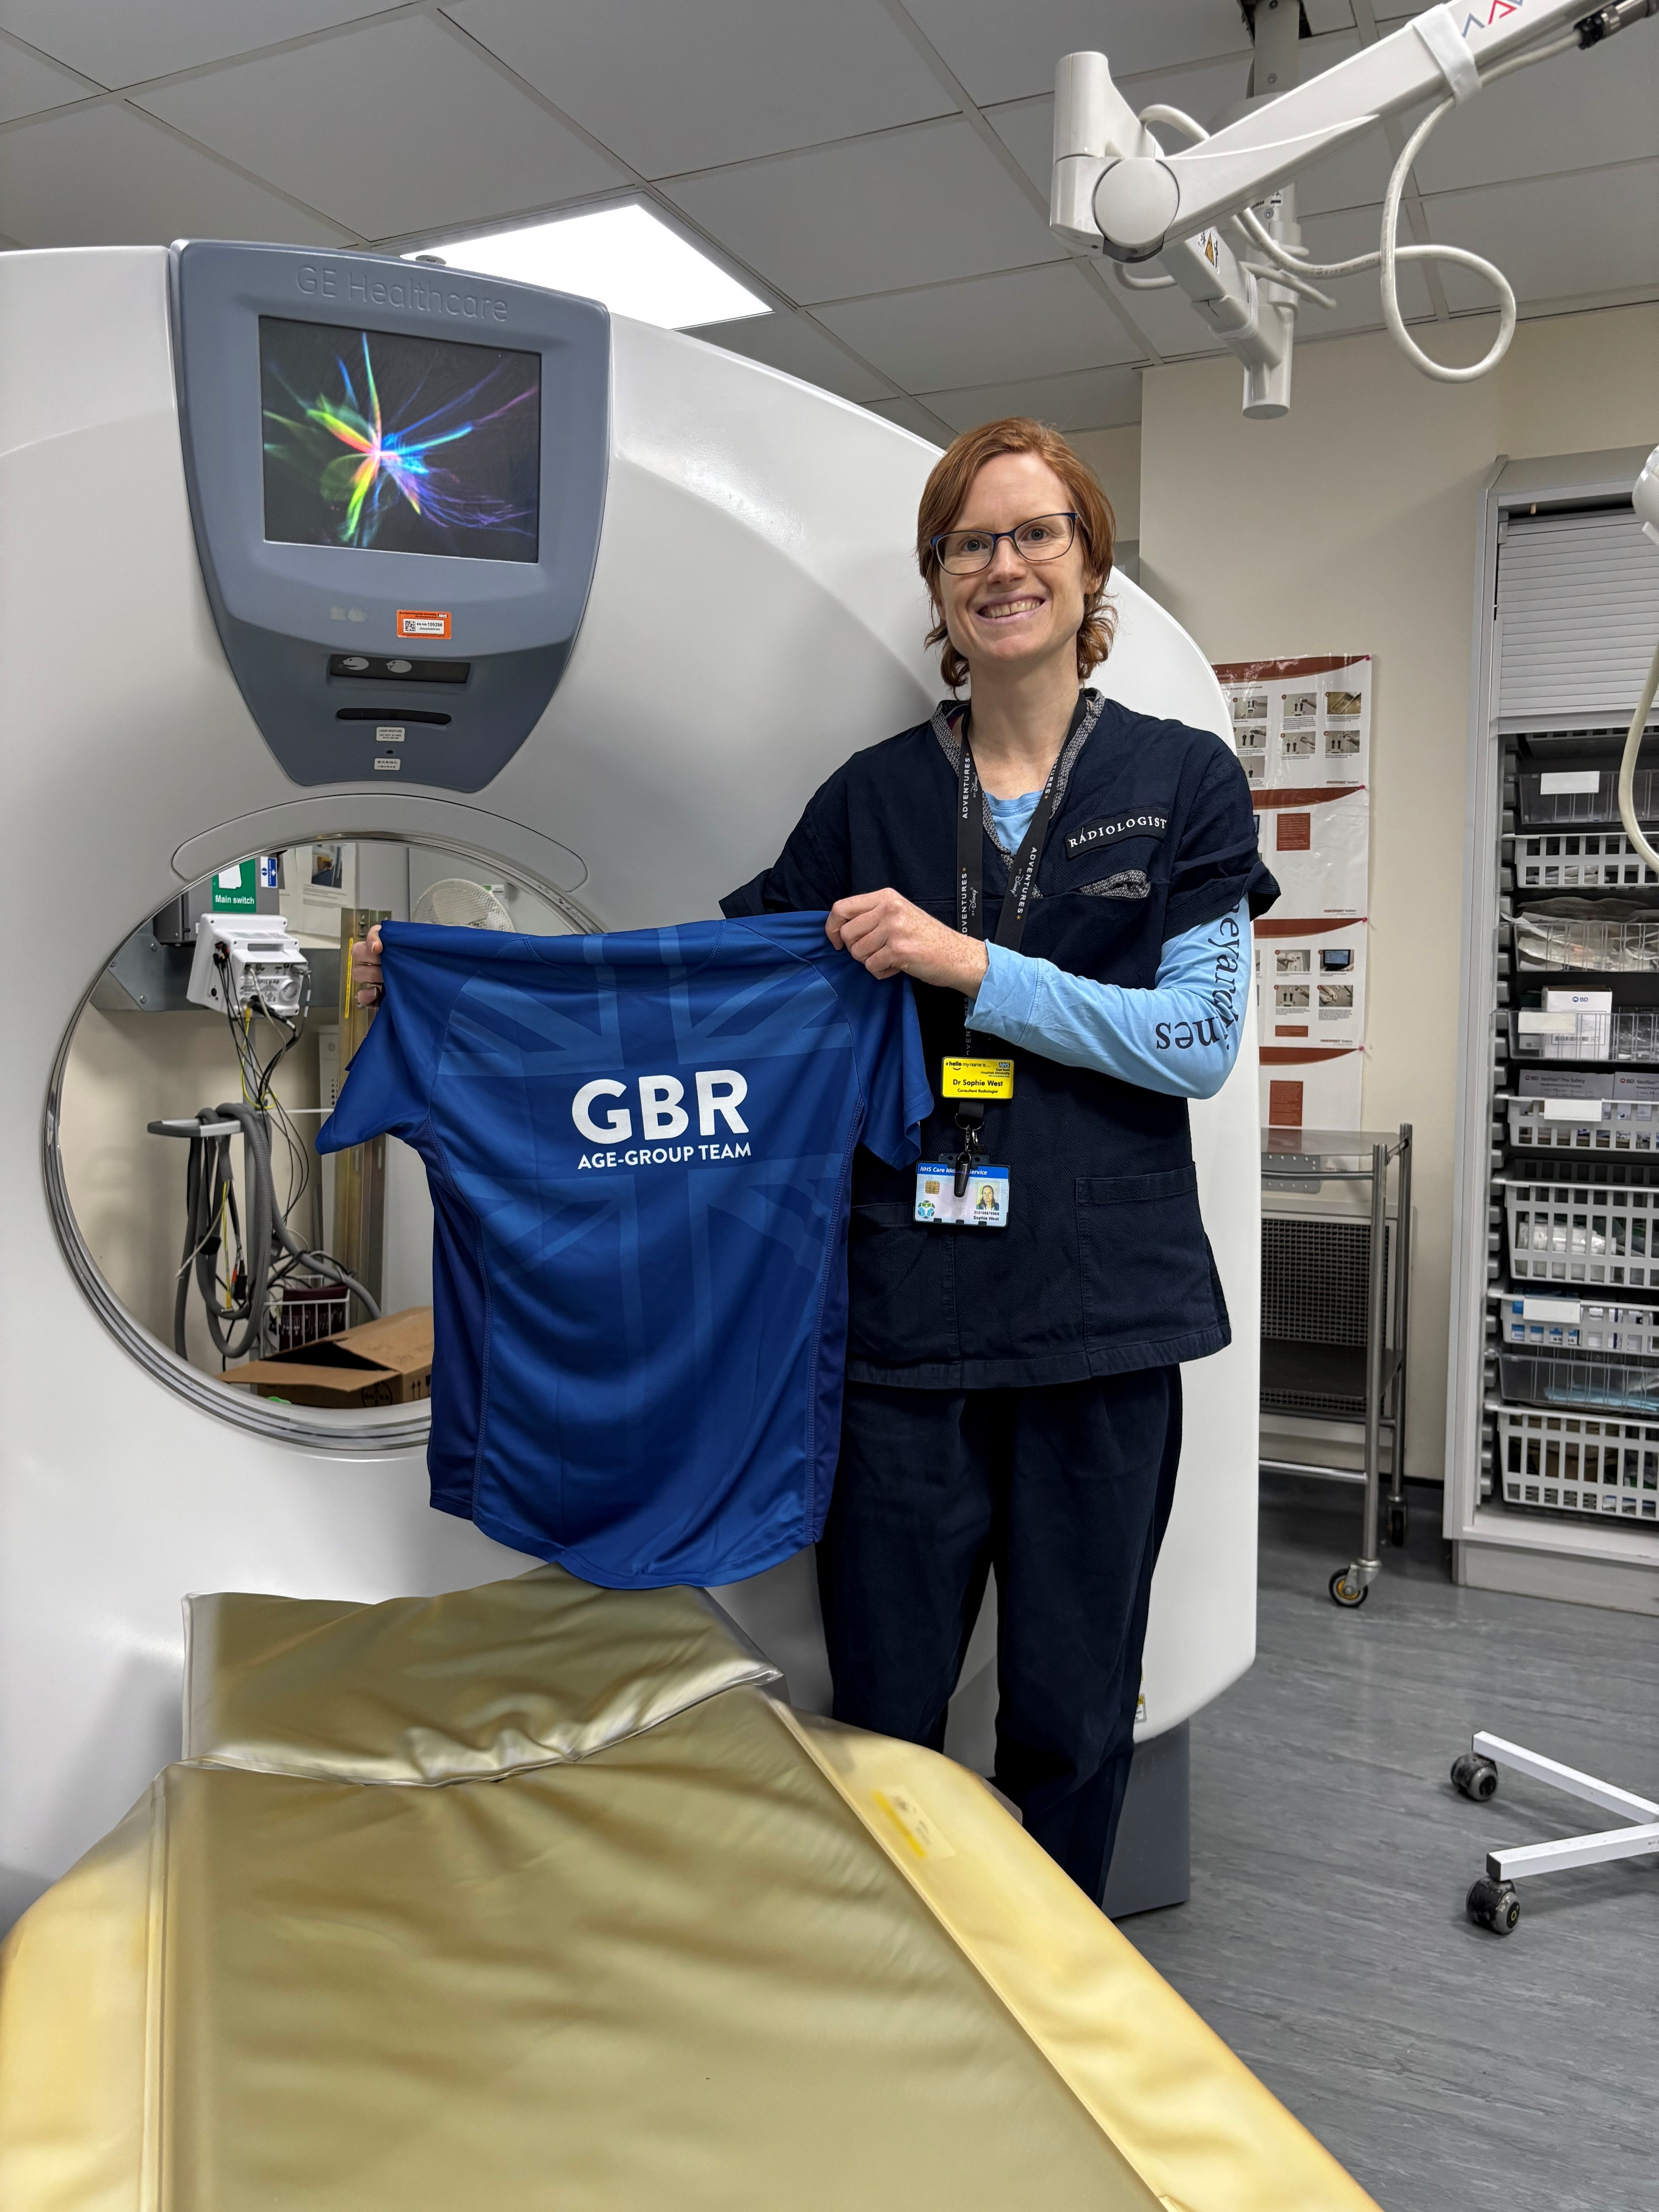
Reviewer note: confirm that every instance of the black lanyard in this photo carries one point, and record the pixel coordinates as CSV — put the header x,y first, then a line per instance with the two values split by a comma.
x,y
970,862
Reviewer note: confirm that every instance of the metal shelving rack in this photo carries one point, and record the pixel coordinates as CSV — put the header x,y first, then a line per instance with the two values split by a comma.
x,y
1355,1377
1551,1445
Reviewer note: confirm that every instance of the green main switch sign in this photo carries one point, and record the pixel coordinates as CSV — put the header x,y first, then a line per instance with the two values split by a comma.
x,y
236,889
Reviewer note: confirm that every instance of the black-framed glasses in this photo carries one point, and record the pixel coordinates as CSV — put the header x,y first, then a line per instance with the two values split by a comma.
x,y
1044,538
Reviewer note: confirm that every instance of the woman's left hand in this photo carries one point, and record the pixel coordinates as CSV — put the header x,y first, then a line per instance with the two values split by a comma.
x,y
890,936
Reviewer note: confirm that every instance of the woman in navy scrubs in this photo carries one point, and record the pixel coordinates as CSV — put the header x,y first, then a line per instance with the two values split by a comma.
x,y
1069,885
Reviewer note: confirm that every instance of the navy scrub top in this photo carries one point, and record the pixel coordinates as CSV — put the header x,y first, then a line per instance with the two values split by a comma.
x,y
1104,1266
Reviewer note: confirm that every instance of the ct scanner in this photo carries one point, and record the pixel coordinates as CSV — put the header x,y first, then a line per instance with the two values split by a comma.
x,y
723,605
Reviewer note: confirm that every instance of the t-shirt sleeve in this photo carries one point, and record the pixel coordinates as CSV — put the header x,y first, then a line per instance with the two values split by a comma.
x,y
892,1069
810,873
1218,861
390,1079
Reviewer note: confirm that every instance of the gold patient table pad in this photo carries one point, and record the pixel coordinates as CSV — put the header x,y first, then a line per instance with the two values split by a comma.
x,y
537,1897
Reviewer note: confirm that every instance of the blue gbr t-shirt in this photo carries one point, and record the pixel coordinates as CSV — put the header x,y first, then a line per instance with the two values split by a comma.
x,y
640,1150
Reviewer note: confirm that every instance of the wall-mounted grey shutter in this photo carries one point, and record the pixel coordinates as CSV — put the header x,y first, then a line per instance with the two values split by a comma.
x,y
1579,612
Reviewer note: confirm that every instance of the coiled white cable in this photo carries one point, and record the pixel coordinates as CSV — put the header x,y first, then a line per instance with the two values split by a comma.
x,y
1627,766
1295,270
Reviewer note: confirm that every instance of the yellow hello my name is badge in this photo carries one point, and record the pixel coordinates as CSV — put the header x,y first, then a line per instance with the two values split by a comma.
x,y
978,1079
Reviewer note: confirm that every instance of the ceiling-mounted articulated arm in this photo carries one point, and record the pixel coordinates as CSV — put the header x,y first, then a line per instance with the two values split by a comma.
x,y
1115,190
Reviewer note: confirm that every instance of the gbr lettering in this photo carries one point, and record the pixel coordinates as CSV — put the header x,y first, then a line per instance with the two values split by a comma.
x,y
720,1091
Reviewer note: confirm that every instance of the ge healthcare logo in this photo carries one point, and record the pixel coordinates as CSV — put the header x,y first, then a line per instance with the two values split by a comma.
x,y
721,1092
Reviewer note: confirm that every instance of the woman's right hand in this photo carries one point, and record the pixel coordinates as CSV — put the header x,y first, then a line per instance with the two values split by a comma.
x,y
369,985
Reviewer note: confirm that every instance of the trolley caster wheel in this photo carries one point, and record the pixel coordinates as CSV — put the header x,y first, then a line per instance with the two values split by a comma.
x,y
1397,1528
1476,1778
1346,1592
1494,1905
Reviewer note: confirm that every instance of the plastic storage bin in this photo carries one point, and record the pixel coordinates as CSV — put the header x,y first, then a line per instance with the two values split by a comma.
x,y
1549,1378
1598,1233
1630,1033
1594,860
1578,1463
1543,810
1575,1325
1600,1125
1563,942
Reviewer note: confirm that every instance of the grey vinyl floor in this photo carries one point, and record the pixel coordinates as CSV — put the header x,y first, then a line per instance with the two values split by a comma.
x,y
1451,2070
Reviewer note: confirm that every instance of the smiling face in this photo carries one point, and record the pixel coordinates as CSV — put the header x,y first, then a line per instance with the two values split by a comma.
x,y
1016,613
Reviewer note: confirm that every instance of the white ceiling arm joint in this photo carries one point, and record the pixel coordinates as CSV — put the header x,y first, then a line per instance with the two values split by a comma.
x,y
1438,28
1094,127
1136,203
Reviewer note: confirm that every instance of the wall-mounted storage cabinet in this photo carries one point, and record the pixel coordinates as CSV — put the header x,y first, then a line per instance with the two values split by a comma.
x,y
1552,1417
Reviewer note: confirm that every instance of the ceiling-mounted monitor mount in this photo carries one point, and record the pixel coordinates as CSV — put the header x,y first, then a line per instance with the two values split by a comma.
x,y
397,477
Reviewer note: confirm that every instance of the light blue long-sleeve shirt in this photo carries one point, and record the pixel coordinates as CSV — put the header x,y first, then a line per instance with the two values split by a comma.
x,y
1180,1037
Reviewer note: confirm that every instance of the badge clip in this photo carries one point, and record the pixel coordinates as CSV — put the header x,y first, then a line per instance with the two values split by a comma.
x,y
970,1116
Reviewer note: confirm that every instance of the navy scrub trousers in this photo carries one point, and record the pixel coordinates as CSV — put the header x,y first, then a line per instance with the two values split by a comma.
x,y
1066,1489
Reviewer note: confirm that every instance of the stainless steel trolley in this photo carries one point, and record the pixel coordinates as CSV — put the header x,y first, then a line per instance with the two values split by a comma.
x,y
1364,1381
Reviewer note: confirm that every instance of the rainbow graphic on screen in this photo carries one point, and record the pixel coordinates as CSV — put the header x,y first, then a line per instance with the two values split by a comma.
x,y
401,443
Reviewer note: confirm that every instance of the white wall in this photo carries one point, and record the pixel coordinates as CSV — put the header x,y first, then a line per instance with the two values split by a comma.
x,y
1350,527
1115,456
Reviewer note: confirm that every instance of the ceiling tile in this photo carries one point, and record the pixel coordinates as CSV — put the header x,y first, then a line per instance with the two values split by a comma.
x,y
107,176
705,82
1557,238
794,344
127,41
911,415
394,130
872,215
1003,52
1359,298
1087,399
1573,112
1166,319
1026,128
1029,322
29,83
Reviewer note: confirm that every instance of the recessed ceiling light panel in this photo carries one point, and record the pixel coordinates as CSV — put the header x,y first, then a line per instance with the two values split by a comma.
x,y
621,255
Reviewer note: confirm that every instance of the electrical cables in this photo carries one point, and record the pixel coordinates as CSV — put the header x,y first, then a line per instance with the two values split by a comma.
x,y
239,1265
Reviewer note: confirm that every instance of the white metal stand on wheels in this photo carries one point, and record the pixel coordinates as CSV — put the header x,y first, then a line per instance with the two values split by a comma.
x,y
1492,1900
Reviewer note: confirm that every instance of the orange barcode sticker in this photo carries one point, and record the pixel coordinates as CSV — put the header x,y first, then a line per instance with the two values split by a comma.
x,y
422,621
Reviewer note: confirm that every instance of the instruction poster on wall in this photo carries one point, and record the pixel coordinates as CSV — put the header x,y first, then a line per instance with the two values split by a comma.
x,y
1303,724
1309,981
1317,845
1316,1088
1302,731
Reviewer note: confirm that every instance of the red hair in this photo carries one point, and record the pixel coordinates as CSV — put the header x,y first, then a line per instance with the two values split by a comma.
x,y
947,488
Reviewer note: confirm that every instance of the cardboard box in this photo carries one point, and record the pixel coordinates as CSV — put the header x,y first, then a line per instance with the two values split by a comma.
x,y
1575,1001
380,1363
1636,1083
1567,1083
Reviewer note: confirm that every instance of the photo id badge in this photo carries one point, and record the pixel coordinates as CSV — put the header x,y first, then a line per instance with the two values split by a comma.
x,y
977,1078
983,1205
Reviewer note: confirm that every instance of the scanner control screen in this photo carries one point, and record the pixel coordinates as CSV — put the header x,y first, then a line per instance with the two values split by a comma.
x,y
401,444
